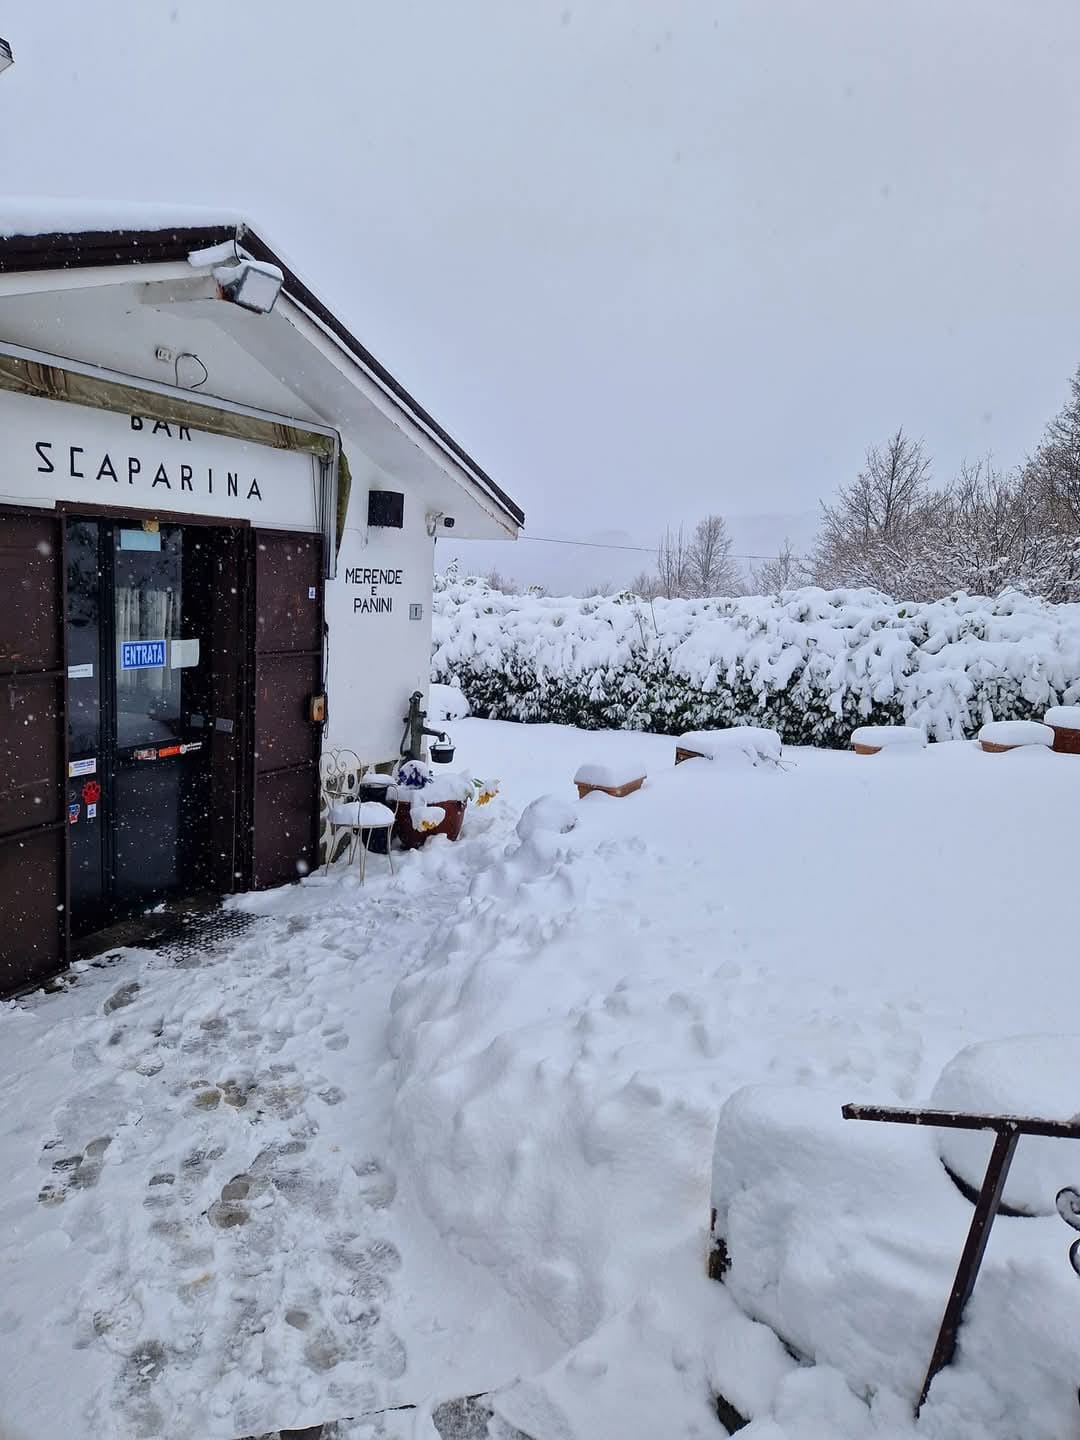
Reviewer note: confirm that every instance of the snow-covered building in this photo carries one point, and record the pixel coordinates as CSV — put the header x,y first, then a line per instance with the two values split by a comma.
x,y
217,520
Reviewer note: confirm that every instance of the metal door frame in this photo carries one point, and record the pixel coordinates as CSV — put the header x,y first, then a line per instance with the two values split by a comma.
x,y
61,824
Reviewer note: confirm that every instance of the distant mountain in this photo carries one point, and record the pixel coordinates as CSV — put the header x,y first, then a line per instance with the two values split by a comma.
x,y
612,558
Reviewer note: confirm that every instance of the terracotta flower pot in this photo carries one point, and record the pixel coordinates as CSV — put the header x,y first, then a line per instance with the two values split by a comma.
x,y
867,749
992,749
413,839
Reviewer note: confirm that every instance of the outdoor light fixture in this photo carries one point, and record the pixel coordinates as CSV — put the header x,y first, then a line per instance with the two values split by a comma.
x,y
252,284
6,57
434,518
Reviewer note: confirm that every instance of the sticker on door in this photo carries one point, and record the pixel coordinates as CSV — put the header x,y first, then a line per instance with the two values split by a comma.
x,y
82,767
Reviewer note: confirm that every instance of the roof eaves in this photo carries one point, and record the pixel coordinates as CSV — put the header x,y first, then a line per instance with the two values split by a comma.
x,y
71,249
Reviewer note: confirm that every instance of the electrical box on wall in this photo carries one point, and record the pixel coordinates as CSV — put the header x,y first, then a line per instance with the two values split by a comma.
x,y
386,508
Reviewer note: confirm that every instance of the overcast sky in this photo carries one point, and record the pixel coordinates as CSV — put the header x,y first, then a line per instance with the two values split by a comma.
x,y
644,258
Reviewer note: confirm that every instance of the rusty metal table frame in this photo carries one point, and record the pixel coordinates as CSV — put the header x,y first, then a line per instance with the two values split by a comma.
x,y
1008,1130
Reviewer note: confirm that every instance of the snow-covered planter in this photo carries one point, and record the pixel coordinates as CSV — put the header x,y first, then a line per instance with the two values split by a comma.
x,y
615,778
1000,736
430,804
870,739
1064,720
755,743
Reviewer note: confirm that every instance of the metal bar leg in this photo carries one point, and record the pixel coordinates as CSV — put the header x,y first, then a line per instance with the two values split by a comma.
x,y
390,850
986,1208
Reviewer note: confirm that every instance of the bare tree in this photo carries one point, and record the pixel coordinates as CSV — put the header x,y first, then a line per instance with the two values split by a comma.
x,y
872,525
496,581
673,564
646,585
709,567
781,572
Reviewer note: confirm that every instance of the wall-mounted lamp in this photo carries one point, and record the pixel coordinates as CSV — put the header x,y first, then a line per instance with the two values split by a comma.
x,y
6,57
252,284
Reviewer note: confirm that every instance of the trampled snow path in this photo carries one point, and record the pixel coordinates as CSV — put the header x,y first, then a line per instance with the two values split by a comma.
x,y
199,1232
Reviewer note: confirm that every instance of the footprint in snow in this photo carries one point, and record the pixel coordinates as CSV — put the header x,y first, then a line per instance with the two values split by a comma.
x,y
377,1185
80,1171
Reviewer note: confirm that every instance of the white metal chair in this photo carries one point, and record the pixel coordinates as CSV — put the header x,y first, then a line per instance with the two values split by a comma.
x,y
341,774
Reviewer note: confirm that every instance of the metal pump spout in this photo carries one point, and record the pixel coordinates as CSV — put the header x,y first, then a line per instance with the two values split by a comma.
x,y
412,741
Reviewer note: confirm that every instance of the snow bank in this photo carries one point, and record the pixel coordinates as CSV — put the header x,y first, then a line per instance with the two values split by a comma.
x,y
547,813
811,664
607,989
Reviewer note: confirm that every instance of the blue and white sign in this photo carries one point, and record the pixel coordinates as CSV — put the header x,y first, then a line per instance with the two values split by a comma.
x,y
142,655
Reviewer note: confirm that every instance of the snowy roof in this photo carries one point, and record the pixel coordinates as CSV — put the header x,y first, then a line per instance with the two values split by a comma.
x,y
31,215
54,234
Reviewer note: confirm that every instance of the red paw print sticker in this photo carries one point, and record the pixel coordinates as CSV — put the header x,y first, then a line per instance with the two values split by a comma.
x,y
91,792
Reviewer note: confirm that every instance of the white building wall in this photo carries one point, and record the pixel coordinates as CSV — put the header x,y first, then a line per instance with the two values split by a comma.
x,y
377,655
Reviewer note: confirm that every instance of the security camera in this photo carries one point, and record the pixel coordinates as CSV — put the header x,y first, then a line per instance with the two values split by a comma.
x,y
448,521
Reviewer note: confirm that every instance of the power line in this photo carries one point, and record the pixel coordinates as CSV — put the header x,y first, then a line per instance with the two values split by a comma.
x,y
637,549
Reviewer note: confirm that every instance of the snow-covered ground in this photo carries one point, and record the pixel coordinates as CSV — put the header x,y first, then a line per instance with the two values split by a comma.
x,y
453,1132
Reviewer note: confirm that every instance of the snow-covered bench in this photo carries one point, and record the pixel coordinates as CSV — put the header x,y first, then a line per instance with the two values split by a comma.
x,y
756,743
870,739
617,778
1001,735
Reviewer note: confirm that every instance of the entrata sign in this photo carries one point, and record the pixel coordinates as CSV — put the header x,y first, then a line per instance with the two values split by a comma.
x,y
142,655
57,451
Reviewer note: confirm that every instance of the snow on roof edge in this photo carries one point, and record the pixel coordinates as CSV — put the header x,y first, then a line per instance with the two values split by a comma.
x,y
51,215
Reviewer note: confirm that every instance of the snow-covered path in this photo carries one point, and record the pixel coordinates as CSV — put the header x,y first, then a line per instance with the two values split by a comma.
x,y
197,1198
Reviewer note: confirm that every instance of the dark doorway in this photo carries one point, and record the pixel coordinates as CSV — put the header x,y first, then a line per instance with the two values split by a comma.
x,y
157,733
146,605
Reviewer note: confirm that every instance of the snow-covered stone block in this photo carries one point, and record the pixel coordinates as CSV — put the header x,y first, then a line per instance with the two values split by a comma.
x,y
1032,1075
613,777
1063,717
1001,735
753,741
1064,720
869,739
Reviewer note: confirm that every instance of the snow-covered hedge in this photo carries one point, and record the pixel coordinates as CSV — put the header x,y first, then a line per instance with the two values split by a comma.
x,y
810,663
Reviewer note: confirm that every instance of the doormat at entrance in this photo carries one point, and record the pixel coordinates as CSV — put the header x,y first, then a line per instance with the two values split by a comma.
x,y
185,934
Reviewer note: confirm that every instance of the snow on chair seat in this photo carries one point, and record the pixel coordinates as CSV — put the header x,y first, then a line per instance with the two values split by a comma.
x,y
753,741
1001,735
362,814
1064,720
869,739
613,778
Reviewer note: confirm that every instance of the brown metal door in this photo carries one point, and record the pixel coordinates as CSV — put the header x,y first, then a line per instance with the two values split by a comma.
x,y
33,817
287,672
